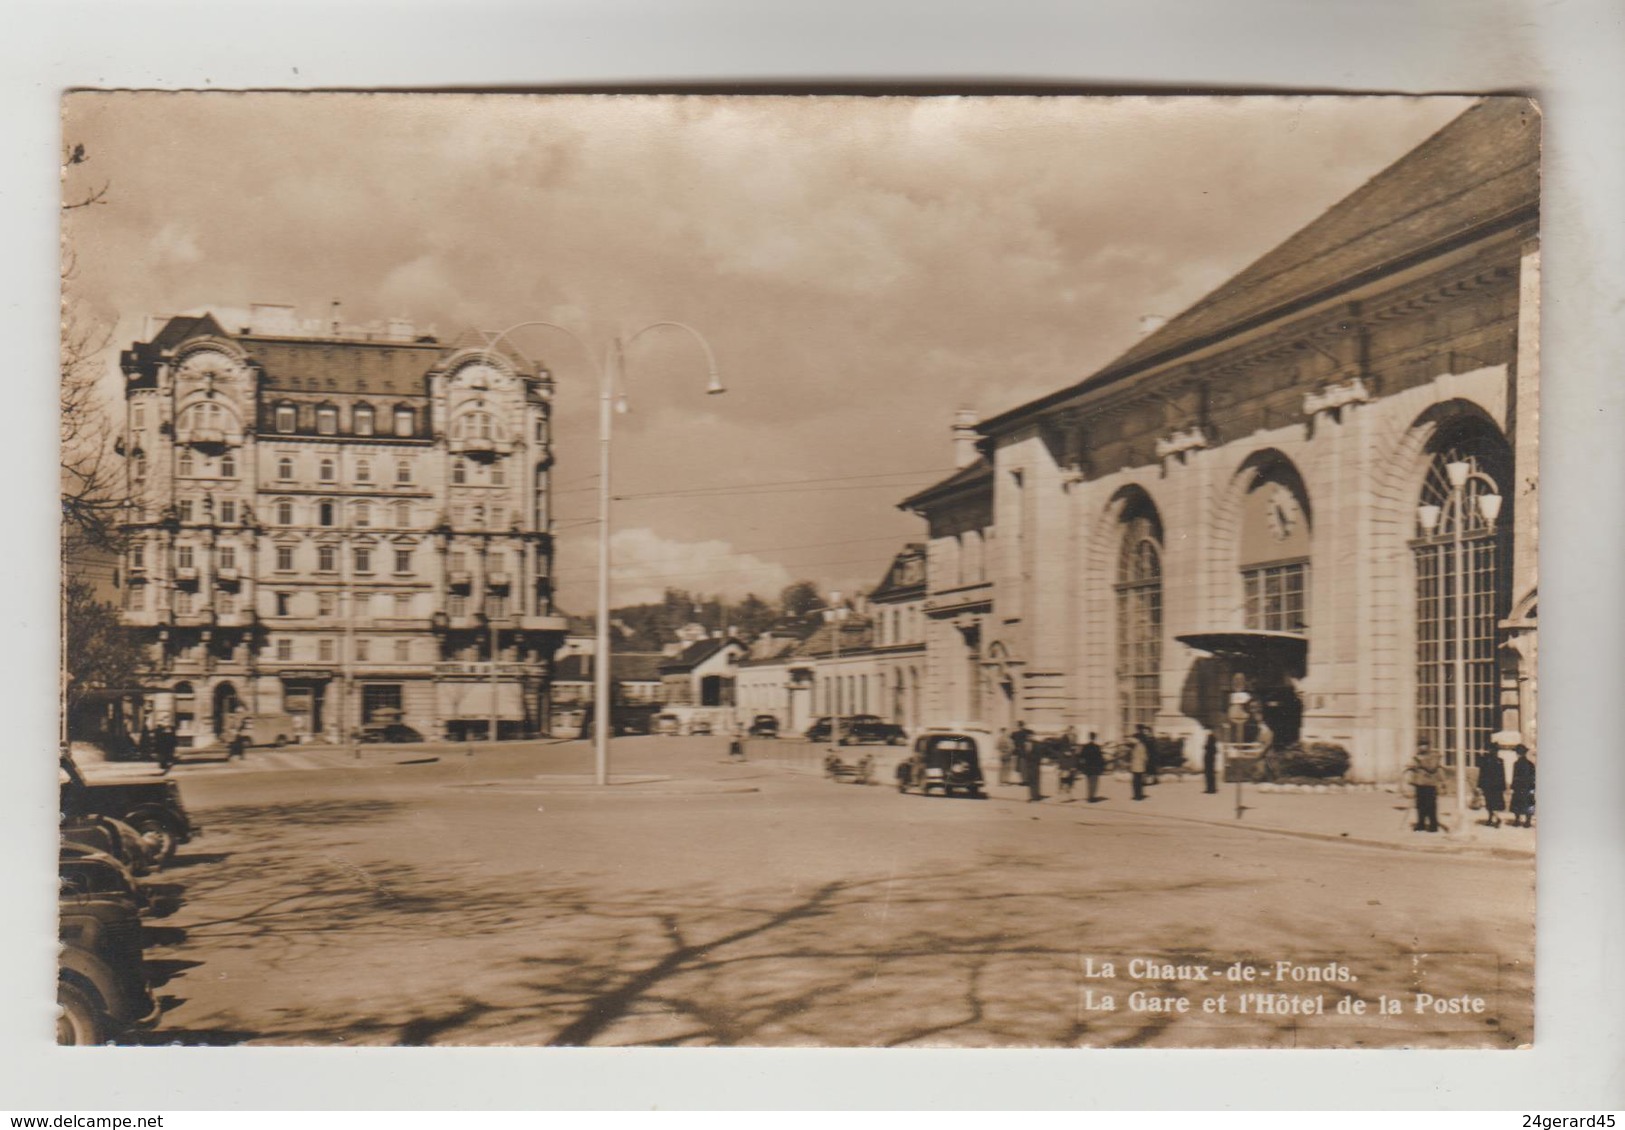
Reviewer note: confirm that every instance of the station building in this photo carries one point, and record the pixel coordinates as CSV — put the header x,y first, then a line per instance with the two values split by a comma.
x,y
1312,494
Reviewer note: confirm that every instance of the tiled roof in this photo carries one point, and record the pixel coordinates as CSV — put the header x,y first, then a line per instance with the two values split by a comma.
x,y
1481,169
395,368
973,475
857,634
693,655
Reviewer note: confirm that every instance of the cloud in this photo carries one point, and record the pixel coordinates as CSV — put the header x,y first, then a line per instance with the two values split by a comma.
x,y
644,564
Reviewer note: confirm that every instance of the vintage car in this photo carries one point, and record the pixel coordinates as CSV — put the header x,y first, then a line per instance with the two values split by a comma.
x,y
152,808
857,729
764,726
668,725
949,760
111,837
101,983
394,733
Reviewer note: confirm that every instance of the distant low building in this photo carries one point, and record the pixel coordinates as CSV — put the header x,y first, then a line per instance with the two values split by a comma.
x,y
704,673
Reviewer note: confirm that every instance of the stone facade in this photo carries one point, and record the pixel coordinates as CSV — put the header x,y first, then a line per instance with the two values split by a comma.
x,y
1236,506
343,526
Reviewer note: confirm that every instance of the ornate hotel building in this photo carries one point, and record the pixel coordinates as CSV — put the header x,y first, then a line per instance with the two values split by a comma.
x,y
346,526
1308,501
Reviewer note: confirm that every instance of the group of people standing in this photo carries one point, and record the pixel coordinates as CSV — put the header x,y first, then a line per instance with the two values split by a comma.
x,y
160,744
1021,761
1426,775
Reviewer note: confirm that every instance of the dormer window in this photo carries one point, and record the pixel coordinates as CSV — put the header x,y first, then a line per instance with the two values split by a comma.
x,y
362,418
287,418
327,420
404,421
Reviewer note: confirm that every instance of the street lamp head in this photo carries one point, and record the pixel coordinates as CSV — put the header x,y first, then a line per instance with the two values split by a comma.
x,y
1458,471
1428,516
1489,505
621,406
714,385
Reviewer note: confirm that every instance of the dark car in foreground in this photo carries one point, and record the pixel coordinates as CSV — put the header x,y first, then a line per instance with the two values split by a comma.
x,y
152,808
102,989
858,729
764,726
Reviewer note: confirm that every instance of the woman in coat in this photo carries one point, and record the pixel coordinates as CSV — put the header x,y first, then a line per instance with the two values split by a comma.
x,y
1523,789
1492,783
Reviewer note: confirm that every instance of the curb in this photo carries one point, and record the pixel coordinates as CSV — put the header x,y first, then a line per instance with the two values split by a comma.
x,y
1444,846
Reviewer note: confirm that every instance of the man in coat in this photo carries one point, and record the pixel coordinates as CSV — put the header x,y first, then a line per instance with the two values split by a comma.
x,y
1092,760
1492,785
1210,762
1426,777
1523,789
1139,761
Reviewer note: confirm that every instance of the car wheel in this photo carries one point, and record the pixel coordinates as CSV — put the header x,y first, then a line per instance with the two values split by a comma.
x,y
159,835
81,1023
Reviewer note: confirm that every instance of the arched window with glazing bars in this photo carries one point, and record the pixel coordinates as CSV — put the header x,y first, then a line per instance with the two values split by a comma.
x,y
1139,616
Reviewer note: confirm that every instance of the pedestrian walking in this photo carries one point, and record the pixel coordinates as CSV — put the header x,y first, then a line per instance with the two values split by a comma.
x,y
1139,759
1492,785
1425,777
1210,762
1523,789
1143,732
1007,756
164,745
1021,740
1067,760
736,747
235,748
1092,760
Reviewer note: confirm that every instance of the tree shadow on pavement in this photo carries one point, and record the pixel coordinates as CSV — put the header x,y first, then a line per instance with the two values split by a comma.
x,y
987,952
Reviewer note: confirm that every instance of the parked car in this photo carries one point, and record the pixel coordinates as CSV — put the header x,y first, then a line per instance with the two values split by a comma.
x,y
267,729
764,726
858,729
699,726
396,733
111,837
152,808
101,983
949,760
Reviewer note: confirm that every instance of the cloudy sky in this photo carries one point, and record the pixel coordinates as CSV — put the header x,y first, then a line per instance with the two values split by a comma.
x,y
862,267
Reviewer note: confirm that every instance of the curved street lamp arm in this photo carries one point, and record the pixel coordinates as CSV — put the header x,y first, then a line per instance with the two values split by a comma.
x,y
710,358
491,345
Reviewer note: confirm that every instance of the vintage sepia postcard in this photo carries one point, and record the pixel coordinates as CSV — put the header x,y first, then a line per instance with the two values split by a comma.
x,y
840,571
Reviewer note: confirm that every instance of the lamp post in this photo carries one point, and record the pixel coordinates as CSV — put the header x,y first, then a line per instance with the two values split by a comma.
x,y
1460,476
835,616
609,403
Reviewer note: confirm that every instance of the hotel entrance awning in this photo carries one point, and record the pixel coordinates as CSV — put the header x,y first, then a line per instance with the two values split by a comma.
x,y
1286,650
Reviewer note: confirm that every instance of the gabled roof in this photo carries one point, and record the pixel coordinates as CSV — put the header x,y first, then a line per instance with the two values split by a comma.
x,y
1480,173
896,584
694,654
857,634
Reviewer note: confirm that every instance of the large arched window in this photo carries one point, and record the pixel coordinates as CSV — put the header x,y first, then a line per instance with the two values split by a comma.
x,y
1139,614
1463,587
1273,548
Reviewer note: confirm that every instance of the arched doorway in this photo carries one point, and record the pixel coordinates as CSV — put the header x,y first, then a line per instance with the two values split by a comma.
x,y
226,706
1139,613
1462,555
